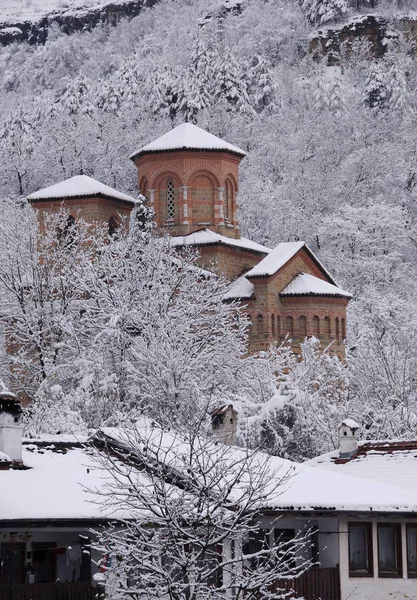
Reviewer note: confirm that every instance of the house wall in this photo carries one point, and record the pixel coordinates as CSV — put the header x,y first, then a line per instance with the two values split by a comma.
x,y
200,179
68,571
374,587
275,309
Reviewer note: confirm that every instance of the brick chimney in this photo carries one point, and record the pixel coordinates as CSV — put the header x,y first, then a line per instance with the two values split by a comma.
x,y
11,427
224,424
348,438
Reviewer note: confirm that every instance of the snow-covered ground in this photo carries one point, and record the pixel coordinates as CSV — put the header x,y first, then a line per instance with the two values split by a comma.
x,y
12,11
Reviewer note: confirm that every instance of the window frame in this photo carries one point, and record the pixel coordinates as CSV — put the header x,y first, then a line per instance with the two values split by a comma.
x,y
369,543
411,574
398,573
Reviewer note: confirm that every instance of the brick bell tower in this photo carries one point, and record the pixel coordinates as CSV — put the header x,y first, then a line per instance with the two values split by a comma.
x,y
190,179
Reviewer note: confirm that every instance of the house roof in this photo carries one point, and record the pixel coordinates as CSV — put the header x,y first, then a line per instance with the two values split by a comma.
x,y
305,284
207,237
280,256
389,462
62,480
241,288
305,488
78,186
187,136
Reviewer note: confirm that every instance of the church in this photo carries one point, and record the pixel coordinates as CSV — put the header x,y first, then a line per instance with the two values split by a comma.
x,y
190,178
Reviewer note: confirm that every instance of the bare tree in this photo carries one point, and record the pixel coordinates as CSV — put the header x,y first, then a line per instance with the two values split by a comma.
x,y
191,518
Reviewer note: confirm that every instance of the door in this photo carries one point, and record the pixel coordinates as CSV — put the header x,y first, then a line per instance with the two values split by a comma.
x,y
12,563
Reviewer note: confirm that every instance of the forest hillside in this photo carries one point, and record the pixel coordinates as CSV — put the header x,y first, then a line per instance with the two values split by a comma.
x,y
331,150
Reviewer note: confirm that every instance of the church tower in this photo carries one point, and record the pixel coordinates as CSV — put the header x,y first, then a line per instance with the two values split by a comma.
x,y
190,180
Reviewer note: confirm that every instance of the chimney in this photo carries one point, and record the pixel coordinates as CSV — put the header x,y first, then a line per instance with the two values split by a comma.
x,y
348,438
224,424
10,427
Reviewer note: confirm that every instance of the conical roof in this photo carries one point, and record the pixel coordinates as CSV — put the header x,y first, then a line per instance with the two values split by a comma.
x,y
80,185
188,137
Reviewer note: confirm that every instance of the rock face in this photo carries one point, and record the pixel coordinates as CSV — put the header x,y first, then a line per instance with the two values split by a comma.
x,y
374,29
37,32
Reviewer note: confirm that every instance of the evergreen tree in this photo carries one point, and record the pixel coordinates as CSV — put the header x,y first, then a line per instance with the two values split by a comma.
x,y
323,11
262,87
377,89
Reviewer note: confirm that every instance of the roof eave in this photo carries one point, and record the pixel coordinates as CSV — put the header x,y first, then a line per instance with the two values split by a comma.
x,y
83,196
135,155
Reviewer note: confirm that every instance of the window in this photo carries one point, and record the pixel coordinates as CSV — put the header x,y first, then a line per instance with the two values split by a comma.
x,y
412,550
260,325
284,538
273,325
290,327
389,550
278,326
343,329
68,233
360,549
12,563
337,329
227,200
258,541
113,226
327,328
302,327
44,561
170,200
316,327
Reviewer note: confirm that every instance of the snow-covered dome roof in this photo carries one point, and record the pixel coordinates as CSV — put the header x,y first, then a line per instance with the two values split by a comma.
x,y
187,137
79,185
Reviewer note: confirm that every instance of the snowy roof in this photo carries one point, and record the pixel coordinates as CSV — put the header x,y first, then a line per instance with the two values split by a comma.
x,y
79,185
240,288
389,462
304,488
206,237
279,257
187,137
60,482
305,284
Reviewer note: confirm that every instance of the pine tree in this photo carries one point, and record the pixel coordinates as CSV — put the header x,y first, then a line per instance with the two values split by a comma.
x,y
323,11
377,90
231,84
262,87
399,100
77,97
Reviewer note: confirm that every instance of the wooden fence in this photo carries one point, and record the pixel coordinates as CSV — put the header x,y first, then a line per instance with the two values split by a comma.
x,y
49,591
315,584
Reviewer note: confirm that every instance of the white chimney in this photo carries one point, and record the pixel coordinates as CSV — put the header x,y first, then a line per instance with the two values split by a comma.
x,y
11,426
224,424
348,438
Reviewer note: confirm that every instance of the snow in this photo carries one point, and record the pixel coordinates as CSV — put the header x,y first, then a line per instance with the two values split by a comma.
x,y
5,458
350,423
304,488
206,237
241,288
375,463
13,11
305,284
187,136
79,185
279,257
276,259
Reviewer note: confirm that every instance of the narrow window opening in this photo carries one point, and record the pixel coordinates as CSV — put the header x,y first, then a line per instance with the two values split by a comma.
x,y
170,200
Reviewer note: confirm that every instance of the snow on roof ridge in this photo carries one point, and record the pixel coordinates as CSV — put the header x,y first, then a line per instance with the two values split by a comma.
x,y
187,136
276,259
206,236
307,284
279,257
79,185
240,288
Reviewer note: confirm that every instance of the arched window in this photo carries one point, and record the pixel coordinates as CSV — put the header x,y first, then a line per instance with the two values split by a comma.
x,y
227,201
260,325
113,226
273,325
316,327
170,200
337,329
278,326
327,329
290,327
302,327
67,234
343,329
